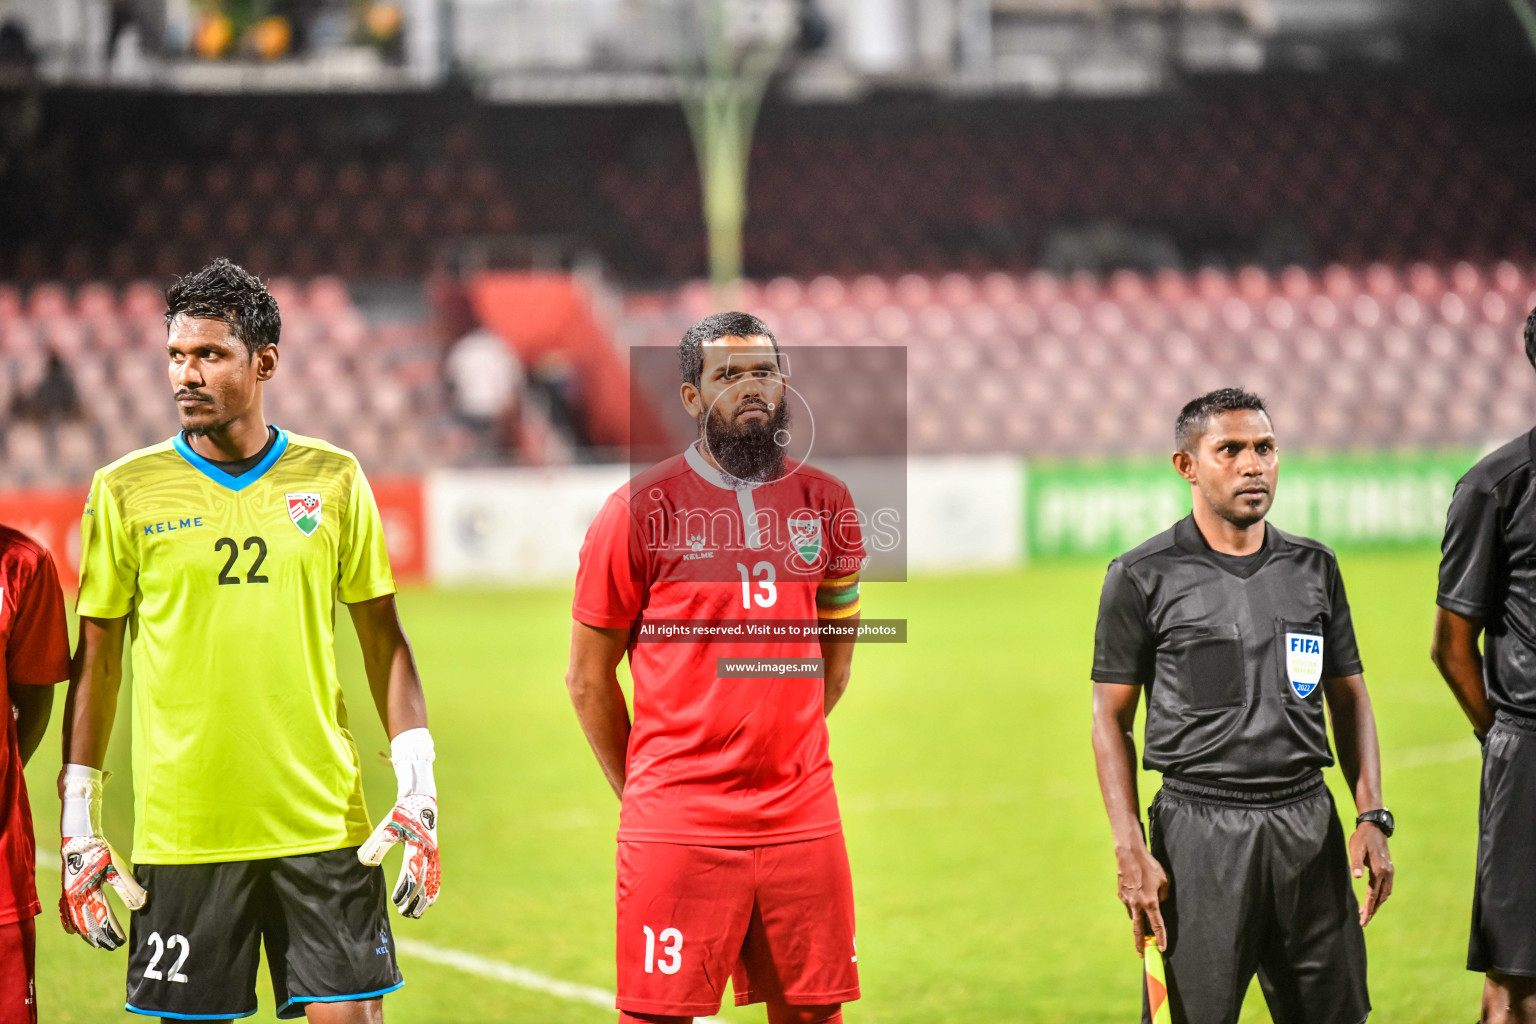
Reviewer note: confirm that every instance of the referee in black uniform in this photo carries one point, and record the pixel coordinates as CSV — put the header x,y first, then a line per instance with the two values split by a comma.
x,y
1488,586
1239,633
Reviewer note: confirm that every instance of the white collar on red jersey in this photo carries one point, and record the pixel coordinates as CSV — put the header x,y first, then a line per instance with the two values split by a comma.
x,y
726,482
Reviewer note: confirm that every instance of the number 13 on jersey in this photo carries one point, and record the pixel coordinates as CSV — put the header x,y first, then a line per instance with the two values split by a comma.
x,y
762,574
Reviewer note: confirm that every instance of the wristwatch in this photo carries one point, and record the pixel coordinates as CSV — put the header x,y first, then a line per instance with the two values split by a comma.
x,y
1381,818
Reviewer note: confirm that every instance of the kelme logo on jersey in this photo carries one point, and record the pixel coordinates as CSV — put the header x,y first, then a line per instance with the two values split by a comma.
x,y
304,510
1303,662
805,537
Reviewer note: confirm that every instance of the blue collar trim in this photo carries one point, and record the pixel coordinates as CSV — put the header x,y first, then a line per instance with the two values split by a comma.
x,y
218,476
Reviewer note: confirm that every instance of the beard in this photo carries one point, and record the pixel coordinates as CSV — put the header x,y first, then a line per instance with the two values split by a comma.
x,y
747,451
207,427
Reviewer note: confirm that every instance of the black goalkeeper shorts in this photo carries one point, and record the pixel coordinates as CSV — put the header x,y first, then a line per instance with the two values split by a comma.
x,y
195,947
1259,883
1504,899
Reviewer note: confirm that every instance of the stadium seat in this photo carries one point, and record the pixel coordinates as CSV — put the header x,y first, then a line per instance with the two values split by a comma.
x,y
1369,354
1366,332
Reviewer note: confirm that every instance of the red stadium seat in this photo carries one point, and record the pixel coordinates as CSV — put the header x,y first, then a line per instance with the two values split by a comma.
x,y
95,301
109,334
825,292
48,301
289,296
19,337
10,303
870,291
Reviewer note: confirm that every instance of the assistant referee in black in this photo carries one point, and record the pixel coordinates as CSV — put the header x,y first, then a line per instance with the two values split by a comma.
x,y
1239,633
1488,588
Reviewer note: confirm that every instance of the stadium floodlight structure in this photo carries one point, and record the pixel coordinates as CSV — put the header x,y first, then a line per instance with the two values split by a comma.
x,y
729,51
1525,12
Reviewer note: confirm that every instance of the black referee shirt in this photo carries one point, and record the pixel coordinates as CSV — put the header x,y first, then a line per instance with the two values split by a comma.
x,y
1232,653
1488,569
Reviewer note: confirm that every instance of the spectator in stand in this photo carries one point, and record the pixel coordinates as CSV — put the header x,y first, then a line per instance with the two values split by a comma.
x,y
54,400
16,53
558,383
123,15
452,312
487,382
300,15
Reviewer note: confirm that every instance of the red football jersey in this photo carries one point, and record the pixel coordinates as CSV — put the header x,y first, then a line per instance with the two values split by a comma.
x,y
720,761
36,644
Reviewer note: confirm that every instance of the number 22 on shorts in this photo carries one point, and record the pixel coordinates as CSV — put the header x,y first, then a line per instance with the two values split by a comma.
x,y
162,946
671,948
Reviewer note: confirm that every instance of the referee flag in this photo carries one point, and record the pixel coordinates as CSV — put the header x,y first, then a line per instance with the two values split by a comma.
x,y
1157,984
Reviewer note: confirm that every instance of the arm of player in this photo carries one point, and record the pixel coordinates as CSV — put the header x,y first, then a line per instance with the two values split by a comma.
x,y
34,705
94,677
1143,883
1354,736
837,666
88,860
593,683
837,601
36,653
402,707
389,664
1460,661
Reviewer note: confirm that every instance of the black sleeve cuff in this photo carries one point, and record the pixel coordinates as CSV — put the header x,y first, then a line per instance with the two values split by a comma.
x,y
1470,609
1117,678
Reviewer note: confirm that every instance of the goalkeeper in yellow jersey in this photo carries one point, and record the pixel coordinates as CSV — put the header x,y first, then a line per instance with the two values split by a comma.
x,y
221,552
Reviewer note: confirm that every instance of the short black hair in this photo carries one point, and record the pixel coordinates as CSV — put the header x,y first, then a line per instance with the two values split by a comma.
x,y
1530,337
1196,415
690,351
226,291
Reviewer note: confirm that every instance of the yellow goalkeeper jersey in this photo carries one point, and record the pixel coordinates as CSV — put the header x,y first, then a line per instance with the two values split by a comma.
x,y
240,743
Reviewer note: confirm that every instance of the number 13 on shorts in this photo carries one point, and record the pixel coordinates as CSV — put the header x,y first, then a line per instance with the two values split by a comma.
x,y
671,950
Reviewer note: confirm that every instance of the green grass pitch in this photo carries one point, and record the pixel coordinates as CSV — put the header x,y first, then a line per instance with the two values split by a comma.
x,y
981,858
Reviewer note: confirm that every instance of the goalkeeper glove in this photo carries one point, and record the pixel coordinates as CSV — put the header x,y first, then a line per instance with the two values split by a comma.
x,y
88,860
412,822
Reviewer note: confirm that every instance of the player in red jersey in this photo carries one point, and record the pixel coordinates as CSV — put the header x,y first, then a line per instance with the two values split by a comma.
x,y
731,860
36,645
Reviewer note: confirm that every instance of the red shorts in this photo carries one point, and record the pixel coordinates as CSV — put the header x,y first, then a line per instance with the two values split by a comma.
x,y
777,920
18,961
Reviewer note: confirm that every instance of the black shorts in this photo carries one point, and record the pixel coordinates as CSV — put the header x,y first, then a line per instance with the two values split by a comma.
x,y
1259,883
1504,897
195,947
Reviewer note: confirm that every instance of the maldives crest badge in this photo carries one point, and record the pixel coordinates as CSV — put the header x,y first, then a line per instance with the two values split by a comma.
x,y
805,537
304,510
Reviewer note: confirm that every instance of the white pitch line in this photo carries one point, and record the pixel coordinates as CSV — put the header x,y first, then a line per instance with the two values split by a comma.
x,y
511,974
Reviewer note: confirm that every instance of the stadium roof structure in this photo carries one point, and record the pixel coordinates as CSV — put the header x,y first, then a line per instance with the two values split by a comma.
x,y
593,52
